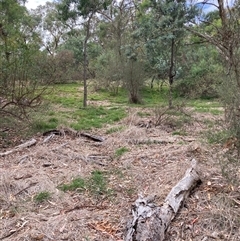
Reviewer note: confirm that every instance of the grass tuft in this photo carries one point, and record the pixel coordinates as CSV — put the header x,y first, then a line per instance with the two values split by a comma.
x,y
119,152
96,184
42,197
75,184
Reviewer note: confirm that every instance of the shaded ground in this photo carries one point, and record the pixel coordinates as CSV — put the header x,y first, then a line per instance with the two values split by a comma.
x,y
154,160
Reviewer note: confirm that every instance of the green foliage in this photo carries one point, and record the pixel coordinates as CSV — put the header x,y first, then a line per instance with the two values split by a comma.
x,y
109,70
81,8
202,78
42,197
24,68
119,152
167,17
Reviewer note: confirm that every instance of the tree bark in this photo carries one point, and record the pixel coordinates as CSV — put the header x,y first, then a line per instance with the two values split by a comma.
x,y
150,221
171,74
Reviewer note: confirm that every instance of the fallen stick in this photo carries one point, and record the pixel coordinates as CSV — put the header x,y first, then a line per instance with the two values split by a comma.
x,y
13,231
48,138
19,147
150,221
93,137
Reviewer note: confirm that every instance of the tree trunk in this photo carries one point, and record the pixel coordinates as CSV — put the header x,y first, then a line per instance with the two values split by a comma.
x,y
85,73
85,59
150,221
171,74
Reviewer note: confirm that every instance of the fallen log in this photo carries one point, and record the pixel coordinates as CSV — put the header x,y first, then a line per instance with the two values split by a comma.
x,y
19,147
150,221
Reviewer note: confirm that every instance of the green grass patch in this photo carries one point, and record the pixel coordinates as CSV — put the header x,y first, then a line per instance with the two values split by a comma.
x,y
213,111
201,103
96,184
42,197
44,125
87,118
119,152
153,97
143,114
76,184
102,95
218,136
66,99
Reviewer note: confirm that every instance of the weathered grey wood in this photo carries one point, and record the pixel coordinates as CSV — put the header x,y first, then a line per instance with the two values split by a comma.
x,y
93,137
150,221
48,138
19,147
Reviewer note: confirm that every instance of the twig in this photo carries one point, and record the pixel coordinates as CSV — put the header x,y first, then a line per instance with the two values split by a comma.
x,y
24,189
49,138
11,232
84,206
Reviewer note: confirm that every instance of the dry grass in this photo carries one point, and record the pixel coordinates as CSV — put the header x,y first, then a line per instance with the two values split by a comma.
x,y
153,164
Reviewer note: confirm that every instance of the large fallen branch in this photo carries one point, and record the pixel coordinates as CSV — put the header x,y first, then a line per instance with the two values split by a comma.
x,y
150,221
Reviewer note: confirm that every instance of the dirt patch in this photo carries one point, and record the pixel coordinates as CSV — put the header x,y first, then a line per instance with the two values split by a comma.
x,y
153,163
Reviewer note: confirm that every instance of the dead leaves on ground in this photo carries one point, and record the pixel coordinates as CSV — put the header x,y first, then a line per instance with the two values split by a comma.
x,y
106,227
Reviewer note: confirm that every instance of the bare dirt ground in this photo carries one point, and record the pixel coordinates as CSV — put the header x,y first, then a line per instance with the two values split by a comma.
x,y
155,161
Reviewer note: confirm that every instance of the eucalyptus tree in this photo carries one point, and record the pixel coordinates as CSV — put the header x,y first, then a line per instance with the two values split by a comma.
x,y
161,26
119,64
224,34
82,12
112,34
19,48
50,27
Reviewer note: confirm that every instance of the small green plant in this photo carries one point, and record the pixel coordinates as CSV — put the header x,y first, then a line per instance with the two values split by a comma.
x,y
97,183
119,152
75,184
42,197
